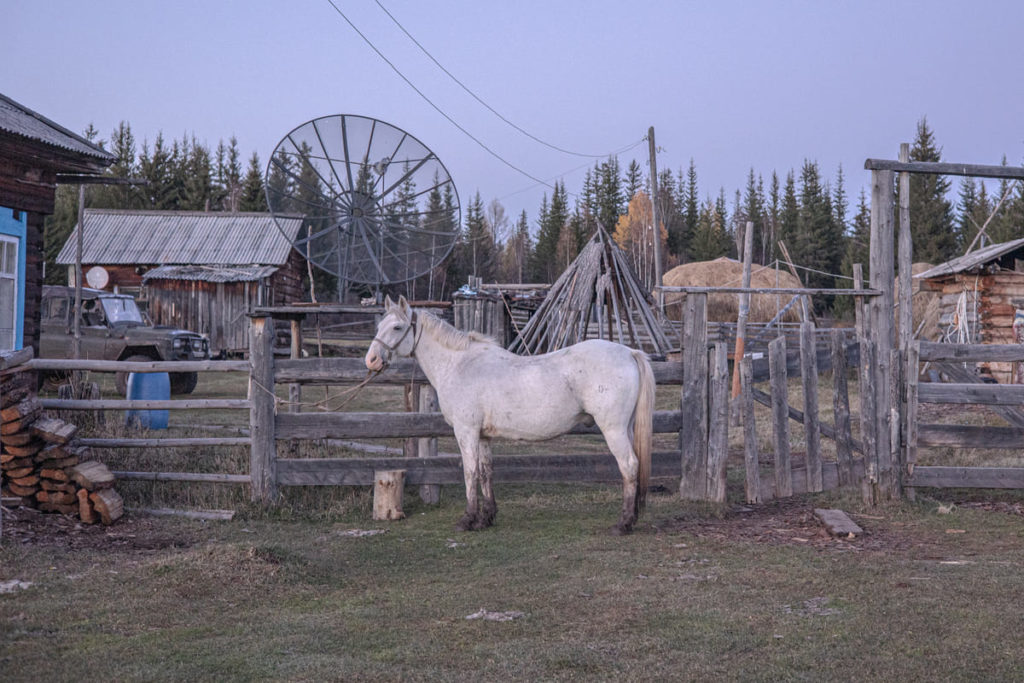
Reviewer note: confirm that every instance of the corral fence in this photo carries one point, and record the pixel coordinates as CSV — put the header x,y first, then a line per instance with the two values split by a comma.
x,y
700,423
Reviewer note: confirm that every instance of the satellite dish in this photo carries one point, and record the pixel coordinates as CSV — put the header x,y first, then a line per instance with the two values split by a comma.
x,y
97,277
378,206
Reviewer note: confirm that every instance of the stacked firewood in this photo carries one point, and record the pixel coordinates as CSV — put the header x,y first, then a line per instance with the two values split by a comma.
x,y
41,463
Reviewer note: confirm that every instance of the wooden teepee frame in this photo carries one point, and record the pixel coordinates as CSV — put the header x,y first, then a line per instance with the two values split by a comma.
x,y
597,296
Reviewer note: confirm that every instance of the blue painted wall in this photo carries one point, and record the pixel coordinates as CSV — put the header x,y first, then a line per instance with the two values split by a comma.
x,y
18,229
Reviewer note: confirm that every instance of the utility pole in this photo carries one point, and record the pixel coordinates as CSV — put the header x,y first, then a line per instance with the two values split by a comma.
x,y
654,207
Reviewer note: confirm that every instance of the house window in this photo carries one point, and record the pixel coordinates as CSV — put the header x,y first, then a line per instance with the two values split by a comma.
x,y
8,291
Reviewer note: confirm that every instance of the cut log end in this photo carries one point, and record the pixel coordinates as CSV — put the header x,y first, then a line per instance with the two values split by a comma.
x,y
388,490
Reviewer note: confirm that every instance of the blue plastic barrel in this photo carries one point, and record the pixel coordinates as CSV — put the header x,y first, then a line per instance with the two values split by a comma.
x,y
148,386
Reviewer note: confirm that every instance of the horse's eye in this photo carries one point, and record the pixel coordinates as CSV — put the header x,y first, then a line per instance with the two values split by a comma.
x,y
398,328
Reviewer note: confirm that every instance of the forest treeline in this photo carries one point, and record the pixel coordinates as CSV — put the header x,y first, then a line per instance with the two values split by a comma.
x,y
825,230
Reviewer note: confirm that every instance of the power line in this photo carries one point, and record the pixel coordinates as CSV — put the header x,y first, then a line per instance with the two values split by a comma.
x,y
487,106
431,103
440,111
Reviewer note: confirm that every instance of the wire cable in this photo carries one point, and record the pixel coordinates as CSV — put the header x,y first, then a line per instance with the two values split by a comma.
x,y
489,107
431,102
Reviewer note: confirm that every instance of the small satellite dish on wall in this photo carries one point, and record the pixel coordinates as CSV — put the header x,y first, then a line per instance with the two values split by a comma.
x,y
97,277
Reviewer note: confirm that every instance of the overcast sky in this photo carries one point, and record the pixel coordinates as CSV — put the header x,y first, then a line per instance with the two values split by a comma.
x,y
732,85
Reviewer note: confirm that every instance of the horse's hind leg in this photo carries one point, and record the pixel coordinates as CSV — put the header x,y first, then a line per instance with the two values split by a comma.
x,y
488,508
621,446
469,446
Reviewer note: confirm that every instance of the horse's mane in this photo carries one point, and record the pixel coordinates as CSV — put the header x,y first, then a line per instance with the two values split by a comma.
x,y
449,336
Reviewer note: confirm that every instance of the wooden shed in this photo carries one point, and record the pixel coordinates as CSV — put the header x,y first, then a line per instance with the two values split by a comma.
x,y
981,297
197,270
34,153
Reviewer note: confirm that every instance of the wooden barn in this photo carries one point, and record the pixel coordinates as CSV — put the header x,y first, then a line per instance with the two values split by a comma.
x,y
201,271
34,153
981,296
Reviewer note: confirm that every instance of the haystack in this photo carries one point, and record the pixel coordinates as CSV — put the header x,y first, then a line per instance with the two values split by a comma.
x,y
926,305
727,272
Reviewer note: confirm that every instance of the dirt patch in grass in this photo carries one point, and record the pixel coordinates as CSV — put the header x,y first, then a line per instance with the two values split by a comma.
x,y
791,522
130,534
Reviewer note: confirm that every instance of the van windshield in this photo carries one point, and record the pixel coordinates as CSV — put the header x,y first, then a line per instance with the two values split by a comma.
x,y
122,311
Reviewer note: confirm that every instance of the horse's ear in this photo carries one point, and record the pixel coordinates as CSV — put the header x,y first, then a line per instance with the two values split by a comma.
x,y
403,305
388,303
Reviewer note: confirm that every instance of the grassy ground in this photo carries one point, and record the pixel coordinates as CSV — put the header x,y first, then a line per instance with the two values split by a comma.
x,y
697,593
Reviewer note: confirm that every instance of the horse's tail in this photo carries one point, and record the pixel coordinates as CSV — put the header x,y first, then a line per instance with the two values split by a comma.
x,y
643,427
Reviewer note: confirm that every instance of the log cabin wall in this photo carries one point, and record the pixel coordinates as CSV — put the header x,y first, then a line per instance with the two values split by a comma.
x,y
990,302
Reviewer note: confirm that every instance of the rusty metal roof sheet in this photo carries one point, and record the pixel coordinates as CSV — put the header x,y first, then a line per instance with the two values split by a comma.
x,y
210,273
972,260
182,238
22,121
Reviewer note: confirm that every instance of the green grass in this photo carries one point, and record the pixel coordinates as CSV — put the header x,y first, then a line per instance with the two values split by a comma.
x,y
265,598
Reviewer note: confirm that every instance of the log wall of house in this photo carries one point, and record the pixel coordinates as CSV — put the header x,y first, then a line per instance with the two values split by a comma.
x,y
992,302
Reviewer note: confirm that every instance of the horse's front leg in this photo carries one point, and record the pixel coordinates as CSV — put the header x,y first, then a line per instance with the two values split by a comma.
x,y
488,508
469,446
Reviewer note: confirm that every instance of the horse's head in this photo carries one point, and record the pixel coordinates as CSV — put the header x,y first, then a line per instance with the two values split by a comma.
x,y
396,334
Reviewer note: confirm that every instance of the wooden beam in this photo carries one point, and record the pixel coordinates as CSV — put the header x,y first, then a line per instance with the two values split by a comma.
x,y
448,469
945,168
969,436
263,456
968,477
985,394
936,351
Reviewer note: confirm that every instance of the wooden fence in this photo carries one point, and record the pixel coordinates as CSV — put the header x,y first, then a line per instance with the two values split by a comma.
x,y
701,422
955,361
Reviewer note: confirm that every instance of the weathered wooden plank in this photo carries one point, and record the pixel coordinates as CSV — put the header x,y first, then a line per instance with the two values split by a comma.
x,y
780,417
117,404
263,454
881,271
210,477
405,425
945,168
718,430
958,373
985,394
913,372
693,433
969,436
809,381
448,469
838,523
935,351
807,291
750,452
198,442
12,359
841,410
139,366
968,477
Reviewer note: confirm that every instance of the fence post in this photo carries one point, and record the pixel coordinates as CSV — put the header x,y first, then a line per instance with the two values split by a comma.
x,y
427,446
812,428
779,379
841,409
881,270
750,455
693,434
718,430
263,453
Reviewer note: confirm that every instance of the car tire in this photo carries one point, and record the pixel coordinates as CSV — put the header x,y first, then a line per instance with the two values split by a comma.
x,y
184,382
122,377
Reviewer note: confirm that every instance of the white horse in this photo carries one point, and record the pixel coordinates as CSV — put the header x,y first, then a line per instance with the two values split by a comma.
x,y
485,391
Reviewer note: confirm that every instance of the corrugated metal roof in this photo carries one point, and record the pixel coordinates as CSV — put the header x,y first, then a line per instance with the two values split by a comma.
x,y
210,273
20,120
182,238
971,260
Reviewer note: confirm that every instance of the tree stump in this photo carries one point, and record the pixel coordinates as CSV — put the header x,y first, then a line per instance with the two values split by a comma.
x,y
388,488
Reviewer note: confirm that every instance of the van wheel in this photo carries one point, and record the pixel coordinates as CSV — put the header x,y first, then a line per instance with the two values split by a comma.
x,y
122,377
184,382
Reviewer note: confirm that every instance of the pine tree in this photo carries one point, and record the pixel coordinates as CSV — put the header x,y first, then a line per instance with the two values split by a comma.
x,y
710,239
196,171
158,169
691,212
608,199
753,211
931,214
789,216
252,197
818,244
553,217
774,211
634,180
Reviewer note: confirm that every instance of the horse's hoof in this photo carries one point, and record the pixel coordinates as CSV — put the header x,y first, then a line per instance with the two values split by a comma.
x,y
622,529
467,523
